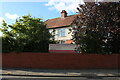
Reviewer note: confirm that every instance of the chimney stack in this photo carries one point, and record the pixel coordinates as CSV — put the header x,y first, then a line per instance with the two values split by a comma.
x,y
63,14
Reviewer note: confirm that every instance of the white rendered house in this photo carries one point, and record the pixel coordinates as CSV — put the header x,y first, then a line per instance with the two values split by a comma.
x,y
60,27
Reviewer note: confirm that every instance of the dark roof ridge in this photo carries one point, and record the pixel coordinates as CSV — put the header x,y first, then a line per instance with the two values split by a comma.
x,y
63,18
60,22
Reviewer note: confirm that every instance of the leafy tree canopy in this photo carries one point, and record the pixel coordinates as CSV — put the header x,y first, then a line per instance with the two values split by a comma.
x,y
27,34
98,29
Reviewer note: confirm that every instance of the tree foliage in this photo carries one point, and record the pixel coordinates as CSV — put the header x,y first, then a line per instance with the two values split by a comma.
x,y
98,29
27,34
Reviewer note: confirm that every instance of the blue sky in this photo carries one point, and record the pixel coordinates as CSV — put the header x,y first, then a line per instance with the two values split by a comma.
x,y
48,9
36,9
45,10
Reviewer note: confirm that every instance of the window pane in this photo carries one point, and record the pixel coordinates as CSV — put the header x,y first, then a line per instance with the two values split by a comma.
x,y
59,32
62,32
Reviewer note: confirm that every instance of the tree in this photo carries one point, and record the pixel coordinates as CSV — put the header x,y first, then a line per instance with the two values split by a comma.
x,y
98,29
28,34
7,41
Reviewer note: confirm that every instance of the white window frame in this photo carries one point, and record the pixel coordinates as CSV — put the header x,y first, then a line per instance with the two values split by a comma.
x,y
60,32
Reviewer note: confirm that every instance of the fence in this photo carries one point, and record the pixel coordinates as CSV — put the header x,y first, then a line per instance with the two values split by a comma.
x,y
62,48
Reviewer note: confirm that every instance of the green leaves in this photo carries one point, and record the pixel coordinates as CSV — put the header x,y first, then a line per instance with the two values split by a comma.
x,y
27,34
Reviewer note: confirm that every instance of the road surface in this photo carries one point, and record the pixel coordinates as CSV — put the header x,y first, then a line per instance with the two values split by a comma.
x,y
54,74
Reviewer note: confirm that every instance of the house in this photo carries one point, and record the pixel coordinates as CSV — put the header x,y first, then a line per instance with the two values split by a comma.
x,y
60,27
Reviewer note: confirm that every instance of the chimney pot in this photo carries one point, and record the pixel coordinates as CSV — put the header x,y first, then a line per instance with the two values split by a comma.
x,y
63,14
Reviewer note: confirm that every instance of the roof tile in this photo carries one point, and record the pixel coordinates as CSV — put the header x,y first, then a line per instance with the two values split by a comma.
x,y
59,22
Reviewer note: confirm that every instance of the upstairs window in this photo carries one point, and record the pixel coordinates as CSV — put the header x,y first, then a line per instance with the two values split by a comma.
x,y
61,32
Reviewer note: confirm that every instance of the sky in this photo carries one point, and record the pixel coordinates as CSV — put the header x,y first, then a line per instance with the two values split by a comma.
x,y
10,10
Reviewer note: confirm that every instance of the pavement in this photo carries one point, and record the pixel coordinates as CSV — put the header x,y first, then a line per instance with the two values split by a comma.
x,y
60,72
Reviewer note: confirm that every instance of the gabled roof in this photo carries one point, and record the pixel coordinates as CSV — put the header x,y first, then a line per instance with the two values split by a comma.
x,y
60,22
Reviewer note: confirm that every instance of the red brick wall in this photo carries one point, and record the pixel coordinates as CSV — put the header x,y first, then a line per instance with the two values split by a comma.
x,y
59,60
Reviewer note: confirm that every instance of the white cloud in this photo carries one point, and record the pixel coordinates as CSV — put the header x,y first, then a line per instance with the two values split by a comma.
x,y
68,5
10,16
1,19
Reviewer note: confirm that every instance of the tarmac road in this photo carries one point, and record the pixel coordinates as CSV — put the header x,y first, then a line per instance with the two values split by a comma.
x,y
57,78
63,74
